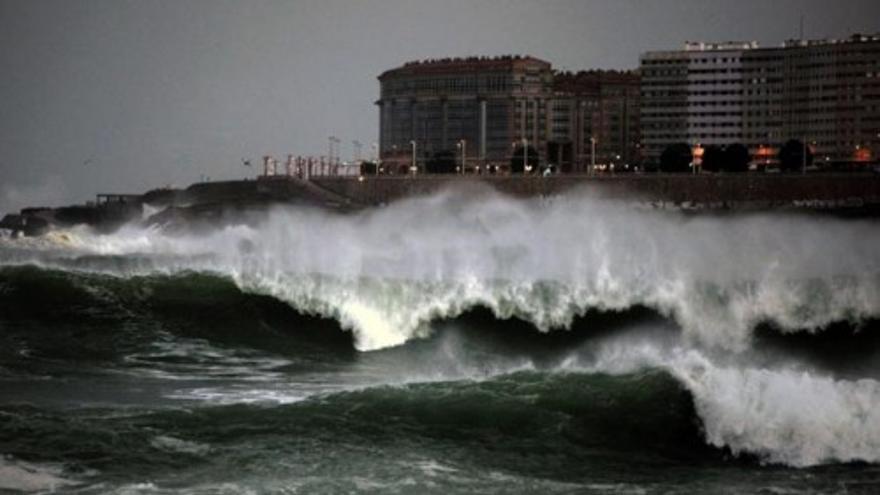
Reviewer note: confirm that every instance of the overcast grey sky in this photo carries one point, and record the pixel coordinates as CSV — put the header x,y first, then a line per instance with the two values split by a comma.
x,y
124,95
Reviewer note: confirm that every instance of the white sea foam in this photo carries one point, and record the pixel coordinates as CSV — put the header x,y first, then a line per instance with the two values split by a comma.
x,y
177,445
29,477
794,418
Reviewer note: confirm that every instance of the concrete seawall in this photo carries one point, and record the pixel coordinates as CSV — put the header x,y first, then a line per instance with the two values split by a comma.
x,y
746,191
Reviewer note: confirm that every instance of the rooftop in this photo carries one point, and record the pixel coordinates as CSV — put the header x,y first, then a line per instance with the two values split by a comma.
x,y
590,81
466,64
856,38
702,46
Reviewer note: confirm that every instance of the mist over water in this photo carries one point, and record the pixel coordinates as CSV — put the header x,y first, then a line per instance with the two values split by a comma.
x,y
559,324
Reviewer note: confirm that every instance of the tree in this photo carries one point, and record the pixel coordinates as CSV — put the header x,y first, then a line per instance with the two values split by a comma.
x,y
736,158
676,158
516,162
713,158
791,156
443,162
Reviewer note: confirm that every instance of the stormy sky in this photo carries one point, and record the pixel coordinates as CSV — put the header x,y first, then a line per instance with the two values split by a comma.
x,y
125,95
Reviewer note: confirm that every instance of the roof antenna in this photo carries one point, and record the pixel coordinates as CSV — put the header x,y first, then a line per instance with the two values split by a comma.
x,y
802,27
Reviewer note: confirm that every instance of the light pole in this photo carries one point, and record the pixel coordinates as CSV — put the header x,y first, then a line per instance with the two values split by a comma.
x,y
413,168
875,154
357,150
331,141
697,156
592,154
394,151
804,158
378,160
462,145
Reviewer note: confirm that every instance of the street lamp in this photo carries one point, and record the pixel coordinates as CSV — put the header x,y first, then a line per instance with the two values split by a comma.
x,y
592,154
357,150
413,168
377,157
462,145
697,157
331,140
804,158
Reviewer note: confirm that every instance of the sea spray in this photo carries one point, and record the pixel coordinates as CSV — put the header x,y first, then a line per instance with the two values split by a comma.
x,y
386,273
388,276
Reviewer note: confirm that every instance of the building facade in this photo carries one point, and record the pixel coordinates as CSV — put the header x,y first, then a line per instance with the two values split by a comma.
x,y
485,110
825,93
595,120
482,105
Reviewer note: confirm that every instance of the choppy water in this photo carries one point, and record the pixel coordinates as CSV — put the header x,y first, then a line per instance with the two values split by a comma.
x,y
461,343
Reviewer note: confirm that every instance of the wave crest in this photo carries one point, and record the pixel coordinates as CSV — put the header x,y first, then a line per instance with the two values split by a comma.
x,y
783,413
385,274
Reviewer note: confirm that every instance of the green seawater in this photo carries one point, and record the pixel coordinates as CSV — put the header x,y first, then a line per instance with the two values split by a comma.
x,y
184,384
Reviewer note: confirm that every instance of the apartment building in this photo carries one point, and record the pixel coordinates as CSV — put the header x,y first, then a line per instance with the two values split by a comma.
x,y
822,92
490,108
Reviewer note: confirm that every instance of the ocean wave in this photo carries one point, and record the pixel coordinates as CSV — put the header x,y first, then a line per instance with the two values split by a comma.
x,y
666,402
389,275
386,274
787,413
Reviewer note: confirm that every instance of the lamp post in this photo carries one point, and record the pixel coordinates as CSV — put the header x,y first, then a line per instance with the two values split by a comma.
x,y
875,150
331,141
697,157
357,150
413,168
462,145
378,159
804,158
592,154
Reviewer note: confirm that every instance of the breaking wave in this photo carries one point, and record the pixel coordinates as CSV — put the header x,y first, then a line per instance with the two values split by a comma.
x,y
386,274
390,275
786,413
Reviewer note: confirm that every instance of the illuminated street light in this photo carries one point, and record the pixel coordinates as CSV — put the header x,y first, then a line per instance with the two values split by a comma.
x,y
462,145
357,150
592,153
377,157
